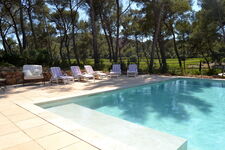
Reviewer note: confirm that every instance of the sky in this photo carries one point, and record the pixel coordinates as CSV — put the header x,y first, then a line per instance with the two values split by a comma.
x,y
195,6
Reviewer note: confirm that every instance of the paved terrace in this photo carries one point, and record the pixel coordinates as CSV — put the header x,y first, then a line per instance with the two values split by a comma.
x,y
24,126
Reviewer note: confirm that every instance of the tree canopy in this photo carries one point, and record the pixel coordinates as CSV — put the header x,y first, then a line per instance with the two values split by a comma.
x,y
70,32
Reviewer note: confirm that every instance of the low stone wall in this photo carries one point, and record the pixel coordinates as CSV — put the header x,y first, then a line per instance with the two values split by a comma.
x,y
11,74
14,75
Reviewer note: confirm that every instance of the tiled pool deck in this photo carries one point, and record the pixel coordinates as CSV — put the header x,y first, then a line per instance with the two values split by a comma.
x,y
25,126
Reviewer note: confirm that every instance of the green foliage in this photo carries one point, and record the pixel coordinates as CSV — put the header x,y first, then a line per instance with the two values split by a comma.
x,y
6,64
133,59
14,59
55,33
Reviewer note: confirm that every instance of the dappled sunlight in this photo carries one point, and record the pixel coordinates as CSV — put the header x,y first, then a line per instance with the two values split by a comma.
x,y
126,81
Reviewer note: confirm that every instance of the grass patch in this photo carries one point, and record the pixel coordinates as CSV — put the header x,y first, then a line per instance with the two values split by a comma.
x,y
191,66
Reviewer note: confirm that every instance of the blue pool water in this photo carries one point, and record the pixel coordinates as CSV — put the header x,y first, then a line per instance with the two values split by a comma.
x,y
190,108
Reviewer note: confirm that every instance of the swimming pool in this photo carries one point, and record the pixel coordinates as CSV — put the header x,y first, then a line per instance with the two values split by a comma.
x,y
190,108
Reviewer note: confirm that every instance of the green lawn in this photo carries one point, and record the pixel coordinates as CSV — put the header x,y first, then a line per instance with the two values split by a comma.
x,y
191,65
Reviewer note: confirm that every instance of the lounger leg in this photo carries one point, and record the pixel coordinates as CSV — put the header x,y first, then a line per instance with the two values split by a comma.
x,y
64,81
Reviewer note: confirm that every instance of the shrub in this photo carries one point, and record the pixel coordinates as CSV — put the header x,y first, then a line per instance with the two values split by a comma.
x,y
13,59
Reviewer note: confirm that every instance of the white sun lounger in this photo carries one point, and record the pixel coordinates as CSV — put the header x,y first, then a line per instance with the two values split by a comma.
x,y
116,70
78,75
132,70
57,76
33,72
97,74
221,74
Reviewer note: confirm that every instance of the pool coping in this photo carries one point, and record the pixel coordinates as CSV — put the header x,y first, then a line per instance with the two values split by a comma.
x,y
86,134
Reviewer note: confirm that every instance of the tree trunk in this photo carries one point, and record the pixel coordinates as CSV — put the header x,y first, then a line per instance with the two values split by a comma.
x,y
62,38
94,34
4,41
67,44
137,50
29,12
117,29
175,49
106,37
22,26
120,56
73,34
49,45
163,54
221,21
207,61
109,45
222,27
159,59
184,53
112,46
158,15
146,55
16,31
111,39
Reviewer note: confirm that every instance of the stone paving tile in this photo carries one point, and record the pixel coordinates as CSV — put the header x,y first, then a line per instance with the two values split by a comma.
x,y
26,146
49,115
41,131
30,123
80,146
5,105
21,116
3,119
8,128
13,110
13,139
57,141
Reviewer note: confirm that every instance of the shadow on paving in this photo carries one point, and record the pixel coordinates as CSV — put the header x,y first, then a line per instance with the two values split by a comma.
x,y
20,89
124,81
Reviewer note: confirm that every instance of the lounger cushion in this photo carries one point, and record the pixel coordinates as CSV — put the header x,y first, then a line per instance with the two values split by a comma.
x,y
101,74
112,72
66,77
27,73
37,72
33,77
87,76
32,72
